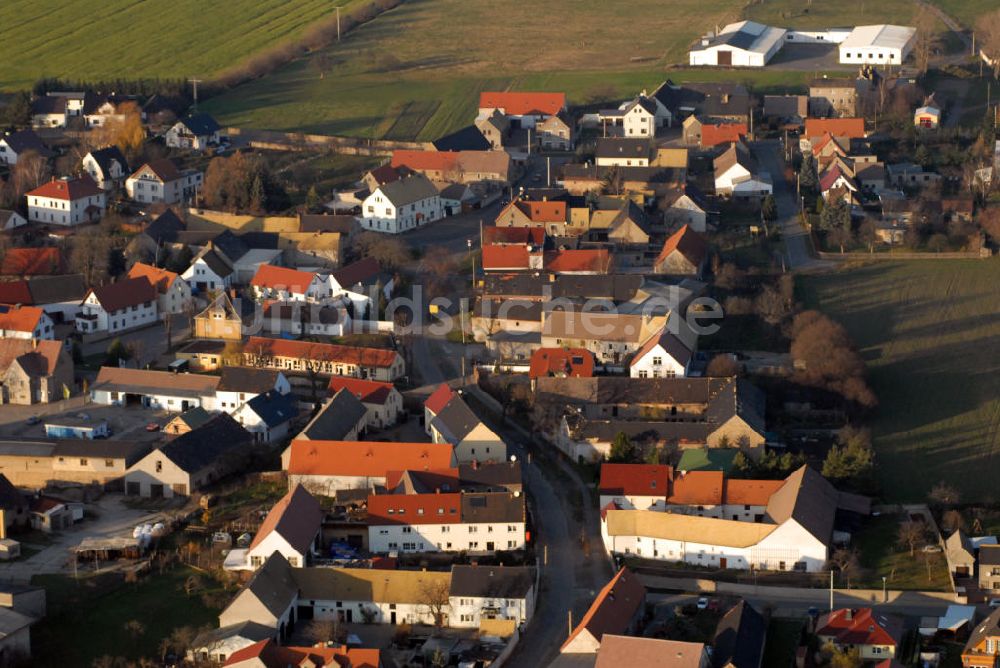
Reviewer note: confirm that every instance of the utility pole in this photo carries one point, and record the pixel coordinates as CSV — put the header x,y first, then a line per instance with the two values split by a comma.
x,y
548,172
195,82
569,620
529,142
338,23
831,590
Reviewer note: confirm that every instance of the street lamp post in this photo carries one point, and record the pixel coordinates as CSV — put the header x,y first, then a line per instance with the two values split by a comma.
x,y
885,597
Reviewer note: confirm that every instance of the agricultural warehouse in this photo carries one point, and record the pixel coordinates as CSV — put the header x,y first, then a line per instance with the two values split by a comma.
x,y
743,44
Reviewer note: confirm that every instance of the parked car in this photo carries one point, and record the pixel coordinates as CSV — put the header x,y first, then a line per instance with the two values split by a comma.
x,y
702,603
994,603
33,420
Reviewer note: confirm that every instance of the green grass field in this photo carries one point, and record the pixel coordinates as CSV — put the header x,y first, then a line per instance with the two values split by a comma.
x,y
967,11
129,39
800,14
930,332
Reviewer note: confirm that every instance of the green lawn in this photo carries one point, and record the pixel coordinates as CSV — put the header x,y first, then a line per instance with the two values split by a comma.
x,y
967,11
930,332
880,555
801,14
86,619
128,39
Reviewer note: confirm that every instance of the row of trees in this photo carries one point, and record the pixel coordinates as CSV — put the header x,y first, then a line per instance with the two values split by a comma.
x,y
242,182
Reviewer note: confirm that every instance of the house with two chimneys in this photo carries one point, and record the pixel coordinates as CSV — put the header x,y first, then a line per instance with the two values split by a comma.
x,y
66,202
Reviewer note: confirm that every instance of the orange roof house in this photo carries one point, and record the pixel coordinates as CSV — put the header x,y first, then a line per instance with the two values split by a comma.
x,y
517,103
46,261
67,189
615,611
716,134
367,391
684,252
369,460
635,479
561,363
527,236
537,212
268,654
697,488
852,128
384,509
21,322
578,261
265,351
508,258
271,277
439,398
162,279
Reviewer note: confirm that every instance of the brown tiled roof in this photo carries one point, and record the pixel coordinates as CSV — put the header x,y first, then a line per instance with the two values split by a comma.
x,y
68,189
373,357
366,458
125,293
23,319
44,354
688,243
164,380
296,517
613,609
33,262
635,479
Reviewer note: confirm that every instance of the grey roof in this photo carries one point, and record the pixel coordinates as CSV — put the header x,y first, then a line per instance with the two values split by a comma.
x,y
408,190
622,389
165,228
576,171
297,518
455,420
989,555
710,99
274,408
249,630
49,104
492,507
214,262
130,451
616,287
674,347
739,638
335,420
247,379
344,224
195,417
468,138
498,476
27,140
615,147
200,124
738,397
988,627
10,497
56,289
200,447
273,585
492,581
807,498
230,245
105,157
604,431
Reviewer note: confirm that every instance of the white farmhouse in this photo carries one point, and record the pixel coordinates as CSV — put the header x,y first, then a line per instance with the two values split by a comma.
x,y
173,292
14,144
742,44
402,205
491,592
118,307
198,131
25,322
66,201
208,272
877,45
737,174
107,166
292,527
161,181
638,117
666,354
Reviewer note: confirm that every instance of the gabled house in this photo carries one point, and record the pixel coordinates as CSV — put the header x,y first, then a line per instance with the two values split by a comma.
x,y
34,371
472,440
848,128
197,131
549,215
616,610
187,421
25,322
300,318
161,181
219,644
983,646
667,354
48,111
875,635
435,403
173,292
738,174
59,297
555,133
67,201
10,220
480,593
495,128
222,320
739,638
291,528
99,109
268,654
622,152
686,206
16,144
718,134
238,385
638,117
191,461
634,486
118,307
342,418
382,401
525,109
466,138
163,390
650,653
961,554
491,167
268,416
685,253
283,284
208,272
402,205
561,362
107,167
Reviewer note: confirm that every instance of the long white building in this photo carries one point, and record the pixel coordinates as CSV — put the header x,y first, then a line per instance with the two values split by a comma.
x,y
877,45
742,44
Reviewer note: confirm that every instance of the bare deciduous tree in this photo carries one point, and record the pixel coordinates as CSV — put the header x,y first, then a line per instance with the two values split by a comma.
x,y
909,534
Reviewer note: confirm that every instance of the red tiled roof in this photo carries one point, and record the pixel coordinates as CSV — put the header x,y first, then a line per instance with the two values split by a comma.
x,y
357,272
613,609
513,235
165,169
385,174
126,292
539,211
636,479
576,260
857,627
282,278
572,362
505,257
829,177
268,654
386,509
162,279
722,133
425,160
439,398
23,319
370,459
15,292
523,103
854,128
47,351
368,391
70,189
365,357
697,488
750,492
689,243
33,262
